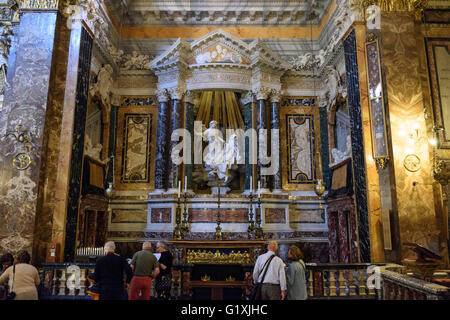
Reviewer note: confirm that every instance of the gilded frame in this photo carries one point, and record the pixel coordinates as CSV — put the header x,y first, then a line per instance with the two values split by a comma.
x,y
380,158
118,161
435,90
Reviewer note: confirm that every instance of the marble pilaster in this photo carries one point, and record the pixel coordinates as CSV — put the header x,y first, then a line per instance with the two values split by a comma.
x,y
248,122
25,102
357,140
189,125
70,162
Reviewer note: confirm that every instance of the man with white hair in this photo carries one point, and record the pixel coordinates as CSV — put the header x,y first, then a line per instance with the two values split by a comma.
x,y
269,269
145,268
110,272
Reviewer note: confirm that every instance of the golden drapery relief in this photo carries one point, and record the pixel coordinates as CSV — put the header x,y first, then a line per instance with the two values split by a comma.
x,y
135,148
38,4
300,145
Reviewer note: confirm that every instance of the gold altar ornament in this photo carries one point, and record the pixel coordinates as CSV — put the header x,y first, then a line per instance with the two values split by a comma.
x,y
202,256
205,278
230,279
411,163
319,189
21,161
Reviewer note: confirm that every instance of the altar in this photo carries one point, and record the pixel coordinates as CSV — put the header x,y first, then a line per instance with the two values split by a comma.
x,y
216,269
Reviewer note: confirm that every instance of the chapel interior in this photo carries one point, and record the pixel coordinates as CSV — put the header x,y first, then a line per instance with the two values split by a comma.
x,y
354,96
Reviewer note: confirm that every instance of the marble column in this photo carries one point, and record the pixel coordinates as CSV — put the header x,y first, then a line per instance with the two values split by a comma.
x,y
190,99
25,102
275,124
162,141
176,122
247,101
261,123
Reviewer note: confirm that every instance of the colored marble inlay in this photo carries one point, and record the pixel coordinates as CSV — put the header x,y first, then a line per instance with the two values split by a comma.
x,y
306,216
162,146
136,148
161,215
298,102
272,215
300,148
324,144
129,216
139,101
226,215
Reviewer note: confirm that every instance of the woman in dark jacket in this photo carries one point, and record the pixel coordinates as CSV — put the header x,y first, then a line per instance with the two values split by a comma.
x,y
163,282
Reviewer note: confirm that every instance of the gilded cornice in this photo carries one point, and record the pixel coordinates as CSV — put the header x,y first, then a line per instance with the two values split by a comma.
x,y
416,6
39,4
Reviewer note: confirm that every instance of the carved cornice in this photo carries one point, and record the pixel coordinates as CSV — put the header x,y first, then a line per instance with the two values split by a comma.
x,y
39,4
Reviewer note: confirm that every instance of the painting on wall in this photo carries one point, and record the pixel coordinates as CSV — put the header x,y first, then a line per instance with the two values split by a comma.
x,y
438,56
299,146
135,156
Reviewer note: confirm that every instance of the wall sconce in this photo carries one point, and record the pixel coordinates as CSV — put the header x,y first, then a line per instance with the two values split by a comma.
x,y
376,103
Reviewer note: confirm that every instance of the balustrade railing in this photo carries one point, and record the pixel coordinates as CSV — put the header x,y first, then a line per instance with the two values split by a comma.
x,y
397,285
338,281
324,281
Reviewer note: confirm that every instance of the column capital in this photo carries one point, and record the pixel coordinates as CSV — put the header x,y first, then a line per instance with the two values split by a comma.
x,y
162,95
248,98
261,93
275,95
176,93
191,96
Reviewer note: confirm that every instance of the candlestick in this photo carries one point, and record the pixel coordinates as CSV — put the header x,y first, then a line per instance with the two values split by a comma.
x,y
259,189
251,184
179,188
185,184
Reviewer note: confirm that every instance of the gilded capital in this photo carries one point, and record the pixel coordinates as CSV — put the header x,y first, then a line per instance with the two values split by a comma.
x,y
191,96
247,98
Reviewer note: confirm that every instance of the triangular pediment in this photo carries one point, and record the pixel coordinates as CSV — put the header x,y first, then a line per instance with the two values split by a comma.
x,y
219,46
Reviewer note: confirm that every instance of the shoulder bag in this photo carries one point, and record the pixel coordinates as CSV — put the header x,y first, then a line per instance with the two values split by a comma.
x,y
256,291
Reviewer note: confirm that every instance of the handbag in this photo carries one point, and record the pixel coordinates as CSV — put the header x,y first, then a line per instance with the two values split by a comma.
x,y
11,295
256,291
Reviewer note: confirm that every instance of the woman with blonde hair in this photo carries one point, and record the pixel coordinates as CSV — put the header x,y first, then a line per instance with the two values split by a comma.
x,y
295,275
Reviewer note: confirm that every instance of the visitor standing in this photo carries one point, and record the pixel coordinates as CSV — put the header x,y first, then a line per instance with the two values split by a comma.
x,y
23,278
145,268
110,272
295,275
274,283
163,281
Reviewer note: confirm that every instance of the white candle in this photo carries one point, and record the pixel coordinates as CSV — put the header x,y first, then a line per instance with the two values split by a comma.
x,y
185,184
179,188
251,184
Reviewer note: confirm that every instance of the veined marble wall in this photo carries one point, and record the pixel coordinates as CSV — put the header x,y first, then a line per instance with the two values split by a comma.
x,y
25,102
416,208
